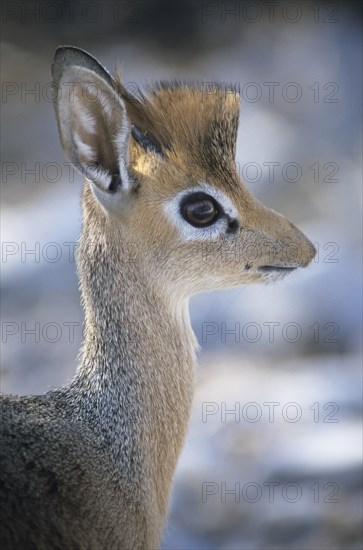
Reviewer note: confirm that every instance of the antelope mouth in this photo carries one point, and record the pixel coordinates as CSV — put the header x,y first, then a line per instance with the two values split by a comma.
x,y
270,273
275,269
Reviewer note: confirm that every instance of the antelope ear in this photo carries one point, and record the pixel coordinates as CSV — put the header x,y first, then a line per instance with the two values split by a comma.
x,y
93,124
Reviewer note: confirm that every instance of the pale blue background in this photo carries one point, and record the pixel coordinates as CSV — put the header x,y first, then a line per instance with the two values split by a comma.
x,y
153,42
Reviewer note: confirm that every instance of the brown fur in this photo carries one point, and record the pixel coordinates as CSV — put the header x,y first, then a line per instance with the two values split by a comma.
x,y
90,466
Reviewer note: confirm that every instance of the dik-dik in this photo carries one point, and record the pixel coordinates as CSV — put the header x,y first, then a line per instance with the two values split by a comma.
x,y
90,465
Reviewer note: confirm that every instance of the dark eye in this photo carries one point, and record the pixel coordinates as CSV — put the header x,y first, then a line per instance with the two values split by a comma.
x,y
199,209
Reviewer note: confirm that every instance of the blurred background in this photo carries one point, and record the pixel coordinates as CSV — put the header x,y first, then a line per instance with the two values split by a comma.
x,y
273,456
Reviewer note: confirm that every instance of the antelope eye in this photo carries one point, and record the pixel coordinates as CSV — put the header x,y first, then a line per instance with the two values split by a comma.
x,y
199,209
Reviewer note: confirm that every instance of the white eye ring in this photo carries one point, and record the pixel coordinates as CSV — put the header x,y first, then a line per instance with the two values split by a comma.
x,y
211,232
